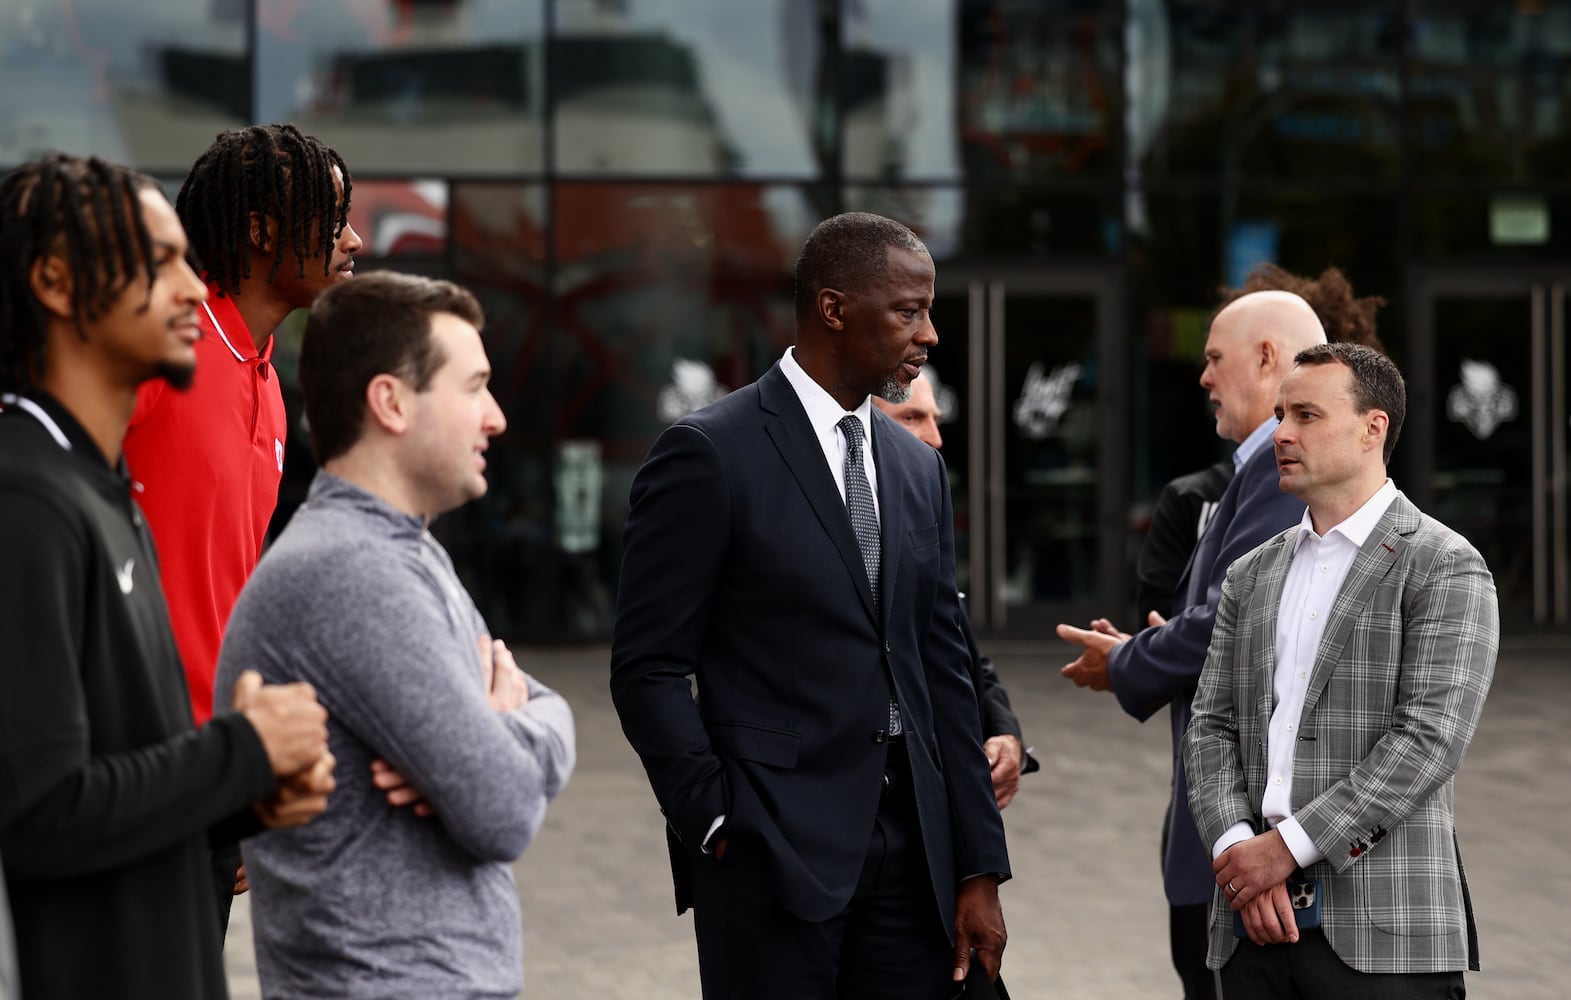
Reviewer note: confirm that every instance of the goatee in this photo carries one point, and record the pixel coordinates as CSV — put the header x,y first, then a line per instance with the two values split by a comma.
x,y
893,391
177,375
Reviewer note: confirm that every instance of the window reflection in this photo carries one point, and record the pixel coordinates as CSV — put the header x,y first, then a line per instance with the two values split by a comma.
x,y
1490,90
149,83
692,87
959,222
666,297
503,542
1264,90
945,89
441,86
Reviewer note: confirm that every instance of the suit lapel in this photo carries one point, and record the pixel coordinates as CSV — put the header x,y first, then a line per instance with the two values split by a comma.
x,y
1381,551
793,437
891,521
1273,576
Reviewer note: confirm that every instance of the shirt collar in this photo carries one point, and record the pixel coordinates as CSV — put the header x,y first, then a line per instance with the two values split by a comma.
x,y
221,311
1357,526
62,426
1254,442
823,413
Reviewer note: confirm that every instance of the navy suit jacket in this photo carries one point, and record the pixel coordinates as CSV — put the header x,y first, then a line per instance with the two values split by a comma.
x,y
1161,666
741,570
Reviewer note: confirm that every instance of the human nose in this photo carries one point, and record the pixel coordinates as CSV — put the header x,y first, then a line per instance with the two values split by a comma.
x,y
193,288
495,421
349,240
928,334
932,436
1282,435
1206,381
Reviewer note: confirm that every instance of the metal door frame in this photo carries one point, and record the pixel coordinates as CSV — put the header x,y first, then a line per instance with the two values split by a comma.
x,y
986,288
1544,286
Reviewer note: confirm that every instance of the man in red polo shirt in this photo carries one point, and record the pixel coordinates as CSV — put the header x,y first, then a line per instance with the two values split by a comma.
x,y
206,463
266,210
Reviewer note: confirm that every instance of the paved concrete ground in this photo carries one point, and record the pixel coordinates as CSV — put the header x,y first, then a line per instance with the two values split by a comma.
x,y
1085,911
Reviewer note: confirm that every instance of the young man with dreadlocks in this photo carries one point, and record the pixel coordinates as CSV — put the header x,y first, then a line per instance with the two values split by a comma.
x,y
108,796
266,210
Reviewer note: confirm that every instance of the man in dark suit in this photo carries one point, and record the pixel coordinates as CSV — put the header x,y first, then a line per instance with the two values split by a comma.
x,y
1249,350
828,803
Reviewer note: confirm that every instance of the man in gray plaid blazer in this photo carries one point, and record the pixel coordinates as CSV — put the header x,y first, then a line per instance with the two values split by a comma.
x,y
1346,674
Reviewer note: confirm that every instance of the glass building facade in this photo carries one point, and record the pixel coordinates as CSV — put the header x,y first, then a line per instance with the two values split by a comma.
x,y
625,184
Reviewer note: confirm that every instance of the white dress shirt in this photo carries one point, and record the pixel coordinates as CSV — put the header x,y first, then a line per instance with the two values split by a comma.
x,y
1314,579
824,414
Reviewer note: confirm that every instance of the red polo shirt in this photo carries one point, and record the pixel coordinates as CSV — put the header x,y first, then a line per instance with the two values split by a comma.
x,y
205,466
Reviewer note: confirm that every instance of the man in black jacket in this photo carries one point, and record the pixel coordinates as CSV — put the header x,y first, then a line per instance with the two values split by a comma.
x,y
108,797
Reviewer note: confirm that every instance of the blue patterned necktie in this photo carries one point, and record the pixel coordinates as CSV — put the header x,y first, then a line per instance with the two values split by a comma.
x,y
864,521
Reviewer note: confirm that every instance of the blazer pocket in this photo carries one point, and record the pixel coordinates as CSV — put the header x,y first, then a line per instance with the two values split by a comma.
x,y
924,538
745,741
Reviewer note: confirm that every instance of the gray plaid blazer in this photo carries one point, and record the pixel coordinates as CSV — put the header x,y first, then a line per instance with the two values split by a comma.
x,y
1393,700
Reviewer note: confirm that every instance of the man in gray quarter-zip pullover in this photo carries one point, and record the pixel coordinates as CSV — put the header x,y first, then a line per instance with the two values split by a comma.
x,y
447,753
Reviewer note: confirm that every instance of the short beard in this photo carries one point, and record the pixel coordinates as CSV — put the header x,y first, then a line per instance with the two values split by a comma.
x,y
178,376
891,391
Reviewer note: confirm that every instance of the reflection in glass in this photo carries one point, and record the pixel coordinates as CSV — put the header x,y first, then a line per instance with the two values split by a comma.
x,y
1490,90
148,83
502,544
1251,90
1039,88
997,221
690,87
665,297
442,86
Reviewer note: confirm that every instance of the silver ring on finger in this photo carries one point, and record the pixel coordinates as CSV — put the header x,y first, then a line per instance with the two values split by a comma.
x,y
1230,887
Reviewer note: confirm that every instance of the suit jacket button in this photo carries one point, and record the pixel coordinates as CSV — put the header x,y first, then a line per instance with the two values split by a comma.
x,y
880,736
886,648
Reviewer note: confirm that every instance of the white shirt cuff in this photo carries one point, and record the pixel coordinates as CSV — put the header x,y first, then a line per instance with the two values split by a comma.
x,y
719,821
1304,850
1236,834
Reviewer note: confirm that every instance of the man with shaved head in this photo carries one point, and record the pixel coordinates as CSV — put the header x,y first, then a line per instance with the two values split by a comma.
x,y
1249,351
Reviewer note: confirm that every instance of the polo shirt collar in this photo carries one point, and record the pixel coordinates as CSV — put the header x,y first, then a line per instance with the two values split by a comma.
x,y
221,311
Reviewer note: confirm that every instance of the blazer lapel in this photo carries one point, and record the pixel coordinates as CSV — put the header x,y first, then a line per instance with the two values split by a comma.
x,y
793,438
1273,572
891,520
1380,553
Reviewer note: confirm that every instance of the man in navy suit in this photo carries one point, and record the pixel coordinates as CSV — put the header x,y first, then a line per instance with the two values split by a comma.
x,y
828,804
1249,350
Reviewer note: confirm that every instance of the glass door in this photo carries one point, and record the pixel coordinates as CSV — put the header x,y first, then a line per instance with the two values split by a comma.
x,y
1488,417
1033,366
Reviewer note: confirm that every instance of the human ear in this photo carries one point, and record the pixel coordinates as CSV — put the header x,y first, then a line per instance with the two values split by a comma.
x,y
387,403
50,279
831,308
263,231
1377,422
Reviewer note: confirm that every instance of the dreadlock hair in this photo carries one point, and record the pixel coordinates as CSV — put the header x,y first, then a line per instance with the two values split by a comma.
x,y
272,170
84,210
